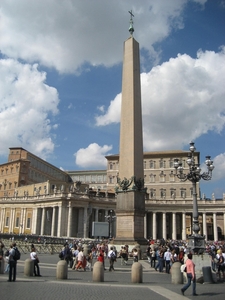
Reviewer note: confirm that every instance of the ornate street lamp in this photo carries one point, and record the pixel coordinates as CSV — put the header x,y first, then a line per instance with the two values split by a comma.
x,y
196,242
110,218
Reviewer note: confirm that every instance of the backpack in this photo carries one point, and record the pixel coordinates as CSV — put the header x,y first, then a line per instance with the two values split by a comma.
x,y
17,254
113,256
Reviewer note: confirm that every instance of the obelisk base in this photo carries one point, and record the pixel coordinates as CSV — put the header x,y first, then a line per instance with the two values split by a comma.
x,y
130,213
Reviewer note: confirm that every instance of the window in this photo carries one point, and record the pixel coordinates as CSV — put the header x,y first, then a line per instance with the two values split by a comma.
x,y
144,164
99,178
173,193
152,164
111,166
171,163
88,178
162,177
152,193
183,193
162,193
110,180
172,176
152,177
93,178
162,163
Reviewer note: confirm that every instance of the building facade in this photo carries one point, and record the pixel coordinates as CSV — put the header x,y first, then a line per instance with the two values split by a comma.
x,y
68,207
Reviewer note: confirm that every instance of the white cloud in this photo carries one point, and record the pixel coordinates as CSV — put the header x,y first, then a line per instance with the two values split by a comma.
x,y
113,113
101,108
185,91
26,103
219,163
67,34
93,156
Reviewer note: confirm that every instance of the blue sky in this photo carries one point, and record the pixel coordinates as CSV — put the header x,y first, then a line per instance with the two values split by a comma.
x,y
61,71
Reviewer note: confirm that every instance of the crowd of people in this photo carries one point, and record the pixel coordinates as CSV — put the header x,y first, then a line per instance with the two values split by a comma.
x,y
80,255
162,254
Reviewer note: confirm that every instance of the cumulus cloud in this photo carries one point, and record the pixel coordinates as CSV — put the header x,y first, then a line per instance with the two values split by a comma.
x,y
112,114
219,162
93,156
66,34
26,103
186,91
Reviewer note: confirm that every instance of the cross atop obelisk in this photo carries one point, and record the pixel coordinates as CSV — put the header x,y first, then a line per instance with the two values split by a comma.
x,y
130,209
131,28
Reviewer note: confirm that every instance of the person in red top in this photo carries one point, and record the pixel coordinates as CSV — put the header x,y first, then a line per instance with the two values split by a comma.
x,y
190,266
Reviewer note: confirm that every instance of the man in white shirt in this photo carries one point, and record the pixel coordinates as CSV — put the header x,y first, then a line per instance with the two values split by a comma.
x,y
167,258
112,258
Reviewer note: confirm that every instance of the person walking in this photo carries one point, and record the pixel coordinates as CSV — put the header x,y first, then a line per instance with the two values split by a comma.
x,y
167,258
112,259
190,266
80,258
153,257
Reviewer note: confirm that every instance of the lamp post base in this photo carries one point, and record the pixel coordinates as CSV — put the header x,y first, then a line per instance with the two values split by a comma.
x,y
196,244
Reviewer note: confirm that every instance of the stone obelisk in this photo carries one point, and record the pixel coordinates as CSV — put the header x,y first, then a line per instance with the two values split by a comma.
x,y
130,208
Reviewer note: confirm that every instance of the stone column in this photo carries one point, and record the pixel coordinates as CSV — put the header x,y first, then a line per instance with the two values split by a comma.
x,y
24,219
59,229
12,215
204,226
43,221
215,232
69,220
2,219
96,214
34,221
154,225
85,221
183,226
145,226
174,230
164,226
53,222
21,225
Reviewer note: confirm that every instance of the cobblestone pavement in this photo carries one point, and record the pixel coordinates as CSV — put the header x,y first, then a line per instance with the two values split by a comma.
x,y
116,285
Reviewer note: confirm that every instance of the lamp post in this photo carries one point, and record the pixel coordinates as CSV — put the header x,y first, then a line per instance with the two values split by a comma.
x,y
110,218
196,242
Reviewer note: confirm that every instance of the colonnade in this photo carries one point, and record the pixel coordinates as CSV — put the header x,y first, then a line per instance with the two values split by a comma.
x,y
178,225
73,220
